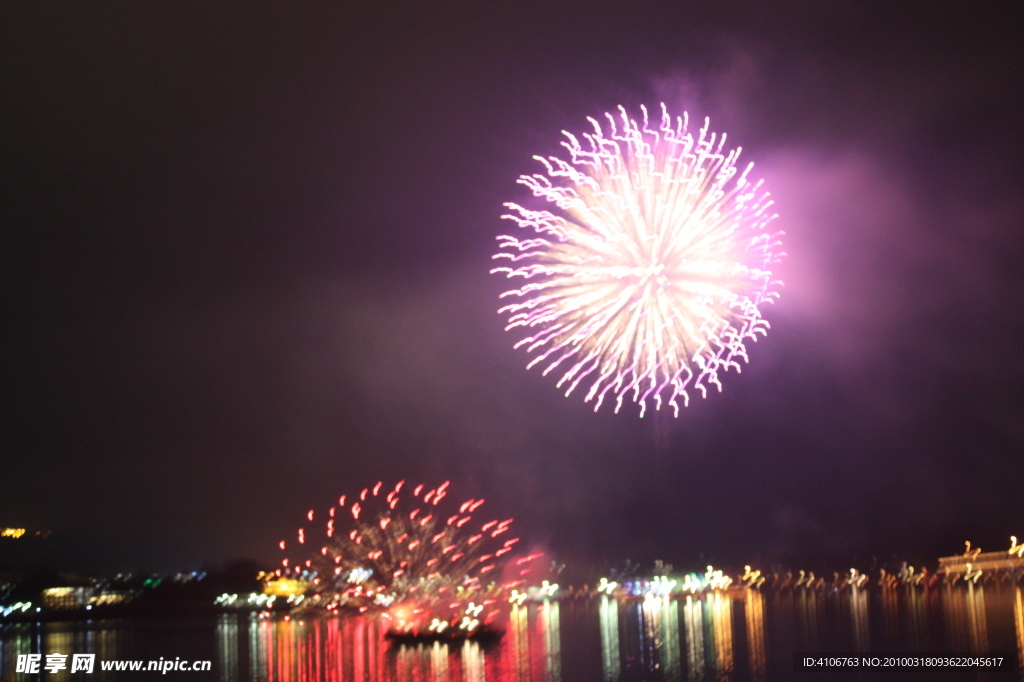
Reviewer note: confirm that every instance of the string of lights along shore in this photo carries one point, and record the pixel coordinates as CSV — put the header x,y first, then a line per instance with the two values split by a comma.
x,y
653,272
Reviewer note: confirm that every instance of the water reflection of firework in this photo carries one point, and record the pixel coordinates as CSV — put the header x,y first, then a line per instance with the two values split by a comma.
x,y
406,551
653,273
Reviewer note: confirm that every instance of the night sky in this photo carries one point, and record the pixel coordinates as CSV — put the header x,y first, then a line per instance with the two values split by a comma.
x,y
246,254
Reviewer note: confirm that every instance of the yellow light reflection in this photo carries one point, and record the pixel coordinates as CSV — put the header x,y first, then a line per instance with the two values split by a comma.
x,y
693,621
891,626
916,629
611,663
661,630
964,611
227,647
1018,619
58,641
472,662
720,607
807,605
548,622
670,649
754,613
976,618
519,651
859,616
439,662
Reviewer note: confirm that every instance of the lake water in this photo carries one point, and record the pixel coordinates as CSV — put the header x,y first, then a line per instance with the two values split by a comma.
x,y
733,636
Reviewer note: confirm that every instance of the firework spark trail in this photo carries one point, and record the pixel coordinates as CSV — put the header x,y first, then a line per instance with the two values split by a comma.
x,y
651,277
402,546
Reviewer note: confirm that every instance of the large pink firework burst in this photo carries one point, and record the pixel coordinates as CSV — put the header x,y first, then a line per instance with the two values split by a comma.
x,y
652,272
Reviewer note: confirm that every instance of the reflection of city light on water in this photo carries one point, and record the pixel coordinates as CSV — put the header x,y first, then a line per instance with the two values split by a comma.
x,y
227,646
754,615
472,662
517,655
548,622
532,652
412,661
807,617
976,617
694,619
333,650
439,660
690,637
661,625
859,617
611,663
1018,620
976,612
720,607
965,616
917,611
708,625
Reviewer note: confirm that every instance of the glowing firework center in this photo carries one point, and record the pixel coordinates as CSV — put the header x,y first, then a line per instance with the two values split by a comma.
x,y
652,275
406,554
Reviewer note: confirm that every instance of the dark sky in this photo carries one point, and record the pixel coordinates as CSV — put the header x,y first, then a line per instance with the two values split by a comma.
x,y
245,270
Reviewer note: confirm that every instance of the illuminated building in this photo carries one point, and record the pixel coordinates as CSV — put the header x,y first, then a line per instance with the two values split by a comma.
x,y
64,598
